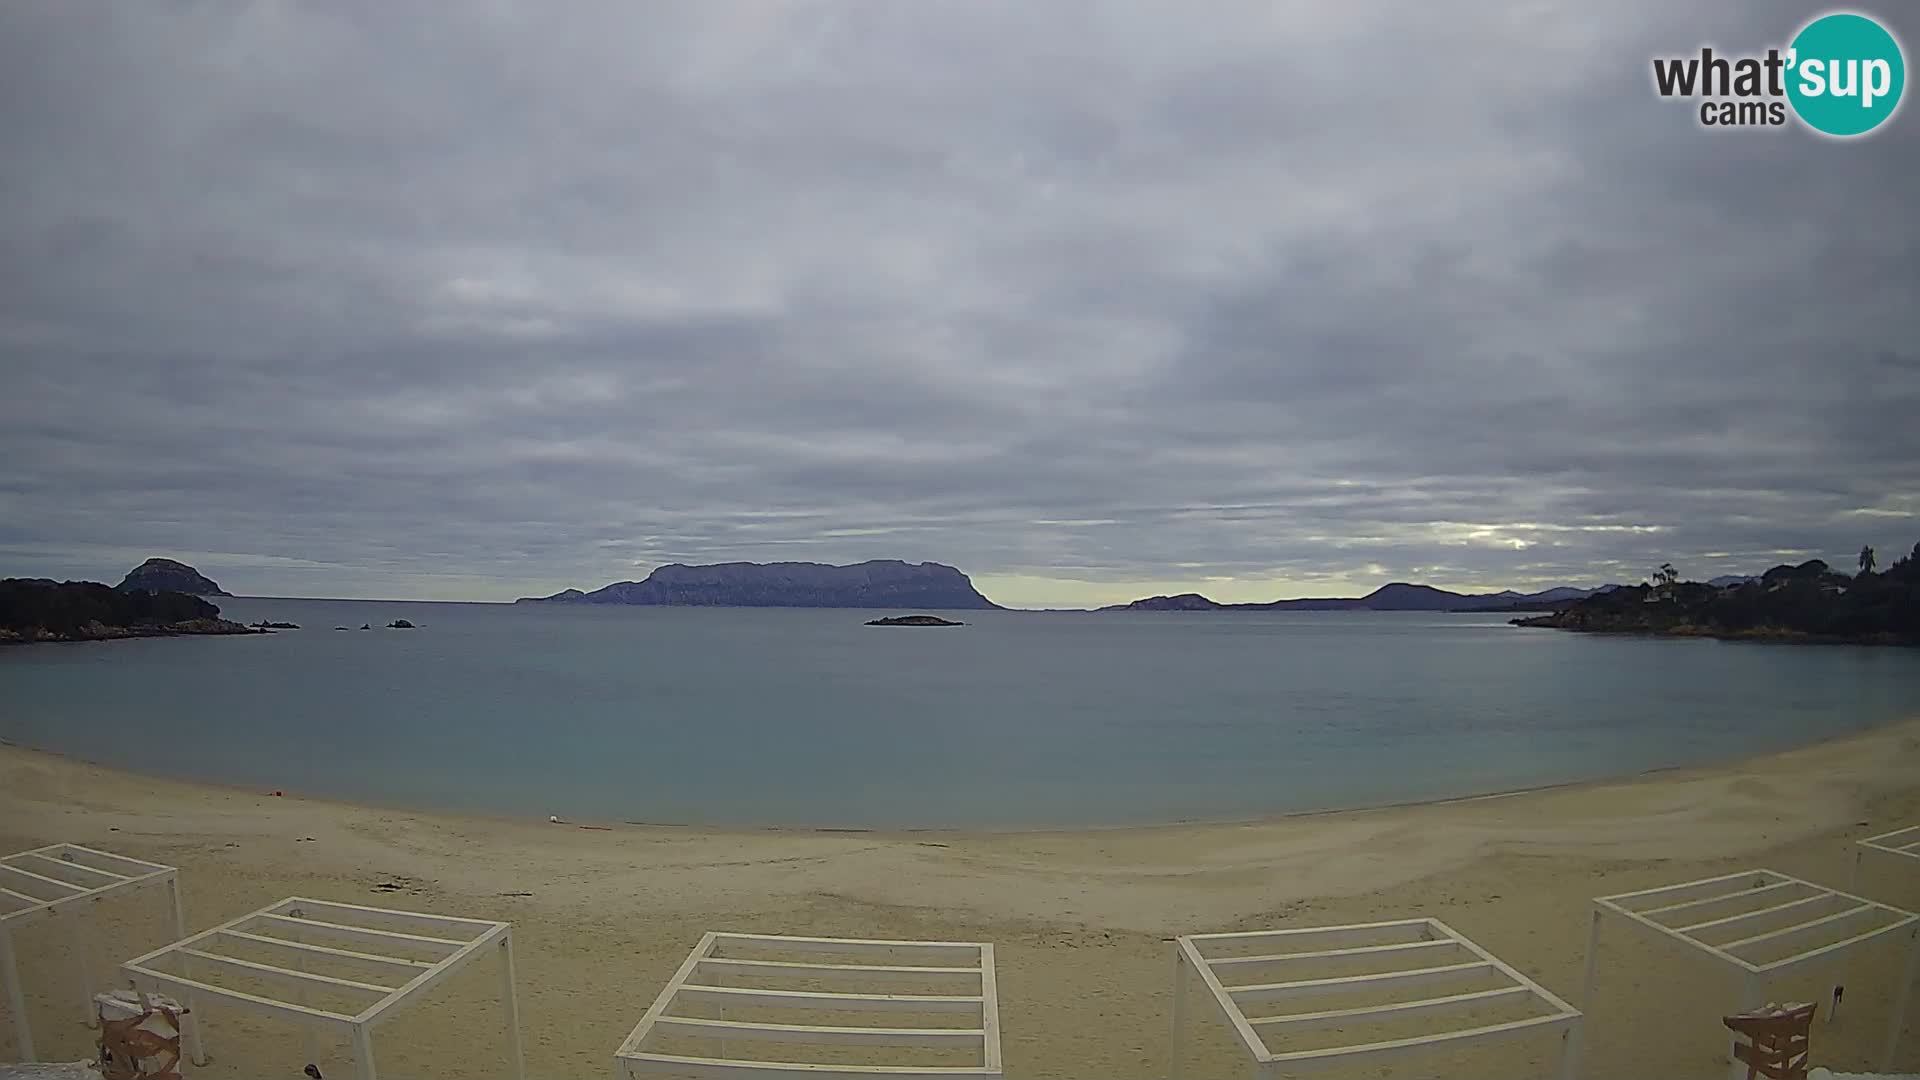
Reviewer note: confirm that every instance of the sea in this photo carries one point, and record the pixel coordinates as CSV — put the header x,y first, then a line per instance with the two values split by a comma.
x,y
808,718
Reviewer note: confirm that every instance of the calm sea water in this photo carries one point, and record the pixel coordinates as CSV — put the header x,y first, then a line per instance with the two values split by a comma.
x,y
808,717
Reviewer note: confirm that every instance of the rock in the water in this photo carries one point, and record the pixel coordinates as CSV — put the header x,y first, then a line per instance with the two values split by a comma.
x,y
168,575
400,624
914,620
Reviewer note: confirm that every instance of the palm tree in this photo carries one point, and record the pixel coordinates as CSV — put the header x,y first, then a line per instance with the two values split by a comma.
x,y
1866,560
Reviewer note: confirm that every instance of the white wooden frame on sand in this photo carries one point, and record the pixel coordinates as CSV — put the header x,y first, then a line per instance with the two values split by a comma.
x,y
1895,845
60,881
289,927
1437,953
1837,923
897,962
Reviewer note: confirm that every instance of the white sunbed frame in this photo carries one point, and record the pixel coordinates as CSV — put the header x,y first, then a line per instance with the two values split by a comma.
x,y
1898,844
955,960
60,881
1437,953
366,931
1722,903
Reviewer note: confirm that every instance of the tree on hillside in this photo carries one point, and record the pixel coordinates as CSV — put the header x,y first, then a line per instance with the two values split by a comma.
x,y
1665,578
1906,568
1866,559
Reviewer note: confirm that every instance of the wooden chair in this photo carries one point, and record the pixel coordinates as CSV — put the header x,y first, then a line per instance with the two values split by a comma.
x,y
1780,1034
139,1038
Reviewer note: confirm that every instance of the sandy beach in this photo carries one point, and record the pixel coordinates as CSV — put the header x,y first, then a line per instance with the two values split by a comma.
x,y
1083,921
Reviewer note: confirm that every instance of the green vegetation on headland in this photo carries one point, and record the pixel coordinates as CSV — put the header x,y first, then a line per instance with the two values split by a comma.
x,y
36,609
1804,603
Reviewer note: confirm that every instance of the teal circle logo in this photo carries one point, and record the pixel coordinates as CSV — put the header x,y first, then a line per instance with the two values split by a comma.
x,y
1845,74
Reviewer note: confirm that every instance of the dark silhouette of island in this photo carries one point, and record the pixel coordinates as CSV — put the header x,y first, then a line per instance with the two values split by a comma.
x,y
168,575
881,583
1809,602
913,620
1398,596
37,609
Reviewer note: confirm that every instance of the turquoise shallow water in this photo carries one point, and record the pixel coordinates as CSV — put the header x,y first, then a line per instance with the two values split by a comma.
x,y
809,718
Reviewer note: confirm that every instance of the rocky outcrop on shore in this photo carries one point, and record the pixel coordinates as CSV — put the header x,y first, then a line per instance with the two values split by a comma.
x,y
36,609
168,575
100,632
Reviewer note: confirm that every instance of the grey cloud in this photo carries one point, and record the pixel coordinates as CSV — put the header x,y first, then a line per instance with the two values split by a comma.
x,y
463,302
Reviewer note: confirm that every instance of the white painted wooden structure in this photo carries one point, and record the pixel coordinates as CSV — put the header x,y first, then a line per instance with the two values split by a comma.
x,y
378,959
1896,846
60,882
1762,924
1246,971
729,977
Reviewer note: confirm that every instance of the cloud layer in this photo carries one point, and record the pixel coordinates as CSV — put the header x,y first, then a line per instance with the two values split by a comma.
x,y
470,301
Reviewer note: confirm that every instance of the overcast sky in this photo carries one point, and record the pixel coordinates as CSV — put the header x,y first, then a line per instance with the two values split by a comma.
x,y
477,300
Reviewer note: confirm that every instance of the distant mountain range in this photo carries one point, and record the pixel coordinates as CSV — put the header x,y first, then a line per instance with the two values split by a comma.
x,y
881,583
891,583
1398,596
